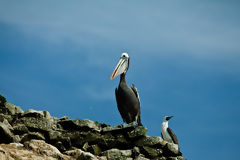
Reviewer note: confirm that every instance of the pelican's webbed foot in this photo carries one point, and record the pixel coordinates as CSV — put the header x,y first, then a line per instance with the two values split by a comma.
x,y
133,124
124,125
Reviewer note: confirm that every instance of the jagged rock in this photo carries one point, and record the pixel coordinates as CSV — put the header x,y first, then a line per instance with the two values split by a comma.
x,y
85,146
45,137
2,100
136,151
17,144
77,124
151,141
66,142
152,152
32,135
114,154
107,141
3,109
181,158
16,139
139,131
8,108
6,135
117,129
60,146
58,139
14,151
9,118
35,113
20,129
81,155
9,126
87,156
141,157
41,147
102,158
171,149
37,124
112,128
121,140
160,158
94,149
74,153
176,158
79,138
12,109
64,118
54,135
17,151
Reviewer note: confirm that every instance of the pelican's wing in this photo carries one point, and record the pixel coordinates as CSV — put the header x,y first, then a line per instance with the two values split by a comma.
x,y
134,88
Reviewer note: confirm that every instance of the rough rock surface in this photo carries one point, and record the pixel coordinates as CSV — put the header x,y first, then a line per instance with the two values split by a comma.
x,y
36,135
34,149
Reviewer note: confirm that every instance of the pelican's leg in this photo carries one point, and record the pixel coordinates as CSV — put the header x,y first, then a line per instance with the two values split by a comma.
x,y
124,125
134,123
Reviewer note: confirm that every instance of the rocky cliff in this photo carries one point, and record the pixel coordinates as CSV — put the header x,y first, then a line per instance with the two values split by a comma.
x,y
37,135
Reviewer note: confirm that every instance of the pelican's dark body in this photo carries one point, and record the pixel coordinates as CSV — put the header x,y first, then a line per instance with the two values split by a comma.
x,y
128,101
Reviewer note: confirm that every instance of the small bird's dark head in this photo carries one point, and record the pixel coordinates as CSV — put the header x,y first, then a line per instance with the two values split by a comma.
x,y
167,118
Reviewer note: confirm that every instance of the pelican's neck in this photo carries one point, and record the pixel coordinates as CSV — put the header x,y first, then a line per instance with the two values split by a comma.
x,y
122,78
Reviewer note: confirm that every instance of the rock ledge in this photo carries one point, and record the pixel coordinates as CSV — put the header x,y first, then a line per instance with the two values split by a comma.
x,y
36,135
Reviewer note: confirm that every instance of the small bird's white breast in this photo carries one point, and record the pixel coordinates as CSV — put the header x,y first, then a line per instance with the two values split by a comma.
x,y
165,133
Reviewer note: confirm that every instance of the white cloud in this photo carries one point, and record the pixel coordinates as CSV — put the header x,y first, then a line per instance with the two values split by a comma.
x,y
205,30
196,28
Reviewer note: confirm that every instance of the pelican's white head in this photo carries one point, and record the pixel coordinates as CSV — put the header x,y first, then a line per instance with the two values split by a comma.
x,y
122,66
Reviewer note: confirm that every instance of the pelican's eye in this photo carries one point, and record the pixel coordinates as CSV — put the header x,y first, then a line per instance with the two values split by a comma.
x,y
124,55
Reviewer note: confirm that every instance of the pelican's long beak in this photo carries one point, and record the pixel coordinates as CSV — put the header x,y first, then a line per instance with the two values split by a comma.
x,y
120,68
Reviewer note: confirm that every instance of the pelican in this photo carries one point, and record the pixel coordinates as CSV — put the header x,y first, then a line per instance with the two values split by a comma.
x,y
127,98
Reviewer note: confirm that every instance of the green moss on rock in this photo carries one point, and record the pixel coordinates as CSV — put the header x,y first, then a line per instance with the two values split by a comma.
x,y
152,152
38,124
139,131
150,141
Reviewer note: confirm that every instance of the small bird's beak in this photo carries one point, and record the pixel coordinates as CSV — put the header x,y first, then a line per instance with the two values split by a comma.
x,y
169,117
120,68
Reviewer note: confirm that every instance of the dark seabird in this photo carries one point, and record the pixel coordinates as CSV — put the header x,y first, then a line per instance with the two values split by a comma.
x,y
127,98
167,133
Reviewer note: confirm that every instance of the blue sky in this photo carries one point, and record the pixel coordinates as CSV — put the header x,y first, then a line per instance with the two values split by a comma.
x,y
184,60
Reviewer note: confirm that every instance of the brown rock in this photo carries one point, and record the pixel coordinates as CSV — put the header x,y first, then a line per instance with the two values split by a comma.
x,y
42,148
81,155
150,141
6,135
16,151
113,154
